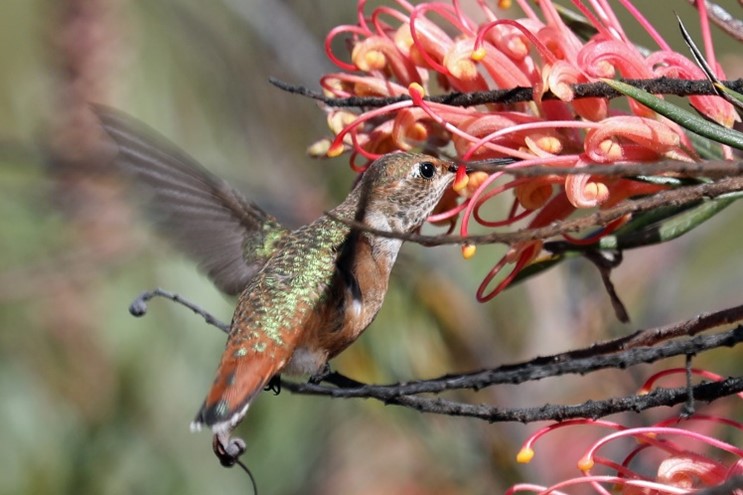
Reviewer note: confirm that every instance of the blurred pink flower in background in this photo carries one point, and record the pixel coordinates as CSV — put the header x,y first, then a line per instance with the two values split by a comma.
x,y
439,47
669,456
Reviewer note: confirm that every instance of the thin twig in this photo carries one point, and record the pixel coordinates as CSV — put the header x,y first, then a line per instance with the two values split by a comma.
x,y
662,85
707,168
590,409
673,197
688,409
138,307
605,265
723,19
618,353
536,369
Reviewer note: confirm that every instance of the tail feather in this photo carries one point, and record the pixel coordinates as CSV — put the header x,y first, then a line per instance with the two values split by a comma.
x,y
241,375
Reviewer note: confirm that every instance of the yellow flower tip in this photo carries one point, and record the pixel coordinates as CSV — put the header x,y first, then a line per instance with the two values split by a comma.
x,y
468,251
374,60
335,150
475,180
504,4
610,149
525,455
417,89
550,144
643,391
585,464
319,148
417,132
605,68
596,192
533,195
643,439
461,183
463,69
478,55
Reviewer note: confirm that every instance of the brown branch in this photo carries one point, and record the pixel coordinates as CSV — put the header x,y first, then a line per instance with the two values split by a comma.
x,y
618,353
708,168
549,412
581,361
590,409
723,19
674,197
662,85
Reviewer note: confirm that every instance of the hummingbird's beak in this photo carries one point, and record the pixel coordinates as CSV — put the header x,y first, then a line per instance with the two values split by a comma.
x,y
483,164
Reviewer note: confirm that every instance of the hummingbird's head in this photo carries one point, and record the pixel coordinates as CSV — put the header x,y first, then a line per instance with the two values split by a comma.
x,y
405,188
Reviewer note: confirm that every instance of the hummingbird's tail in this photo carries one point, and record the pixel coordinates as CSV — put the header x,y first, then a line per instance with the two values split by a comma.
x,y
244,371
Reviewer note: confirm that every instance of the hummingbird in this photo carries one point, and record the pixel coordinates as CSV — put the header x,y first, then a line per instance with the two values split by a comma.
x,y
305,295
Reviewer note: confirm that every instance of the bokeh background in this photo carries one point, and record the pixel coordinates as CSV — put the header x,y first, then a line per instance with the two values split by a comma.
x,y
94,401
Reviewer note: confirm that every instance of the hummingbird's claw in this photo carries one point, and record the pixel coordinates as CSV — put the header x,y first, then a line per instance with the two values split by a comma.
x,y
230,453
274,385
321,375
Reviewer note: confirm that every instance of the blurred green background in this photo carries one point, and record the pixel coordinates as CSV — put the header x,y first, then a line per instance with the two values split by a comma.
x,y
94,401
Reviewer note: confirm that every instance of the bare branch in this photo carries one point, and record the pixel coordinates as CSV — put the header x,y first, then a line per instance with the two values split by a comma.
x,y
662,85
536,369
674,197
723,19
591,409
707,168
639,347
619,353
138,307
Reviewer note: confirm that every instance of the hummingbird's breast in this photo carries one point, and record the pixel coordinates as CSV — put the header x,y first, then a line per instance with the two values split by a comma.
x,y
352,302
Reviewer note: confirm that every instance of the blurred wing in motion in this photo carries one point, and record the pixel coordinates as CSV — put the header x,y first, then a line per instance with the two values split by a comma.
x,y
230,237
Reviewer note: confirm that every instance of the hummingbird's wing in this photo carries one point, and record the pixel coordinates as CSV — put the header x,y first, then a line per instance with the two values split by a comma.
x,y
230,237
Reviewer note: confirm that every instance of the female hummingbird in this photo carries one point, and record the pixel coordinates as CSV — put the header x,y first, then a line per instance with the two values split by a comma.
x,y
305,294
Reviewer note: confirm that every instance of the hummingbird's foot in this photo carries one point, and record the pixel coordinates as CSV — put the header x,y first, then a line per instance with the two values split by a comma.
x,y
274,385
228,450
327,375
321,375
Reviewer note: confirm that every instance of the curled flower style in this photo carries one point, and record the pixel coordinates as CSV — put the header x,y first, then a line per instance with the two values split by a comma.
x,y
440,47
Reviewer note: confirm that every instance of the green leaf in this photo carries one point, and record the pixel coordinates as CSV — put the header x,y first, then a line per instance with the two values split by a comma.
x,y
734,95
730,95
684,118
666,230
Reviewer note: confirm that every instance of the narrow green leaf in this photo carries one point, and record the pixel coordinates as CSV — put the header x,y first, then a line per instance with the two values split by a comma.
x,y
669,229
734,95
696,53
662,180
735,98
706,148
684,118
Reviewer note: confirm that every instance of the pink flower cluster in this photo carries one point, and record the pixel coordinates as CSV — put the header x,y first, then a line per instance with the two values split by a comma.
x,y
684,459
437,47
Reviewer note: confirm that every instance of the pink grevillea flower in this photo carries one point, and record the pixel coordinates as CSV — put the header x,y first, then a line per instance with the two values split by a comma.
x,y
672,456
434,48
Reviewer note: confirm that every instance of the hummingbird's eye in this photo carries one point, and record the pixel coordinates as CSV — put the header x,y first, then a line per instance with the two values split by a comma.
x,y
427,170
